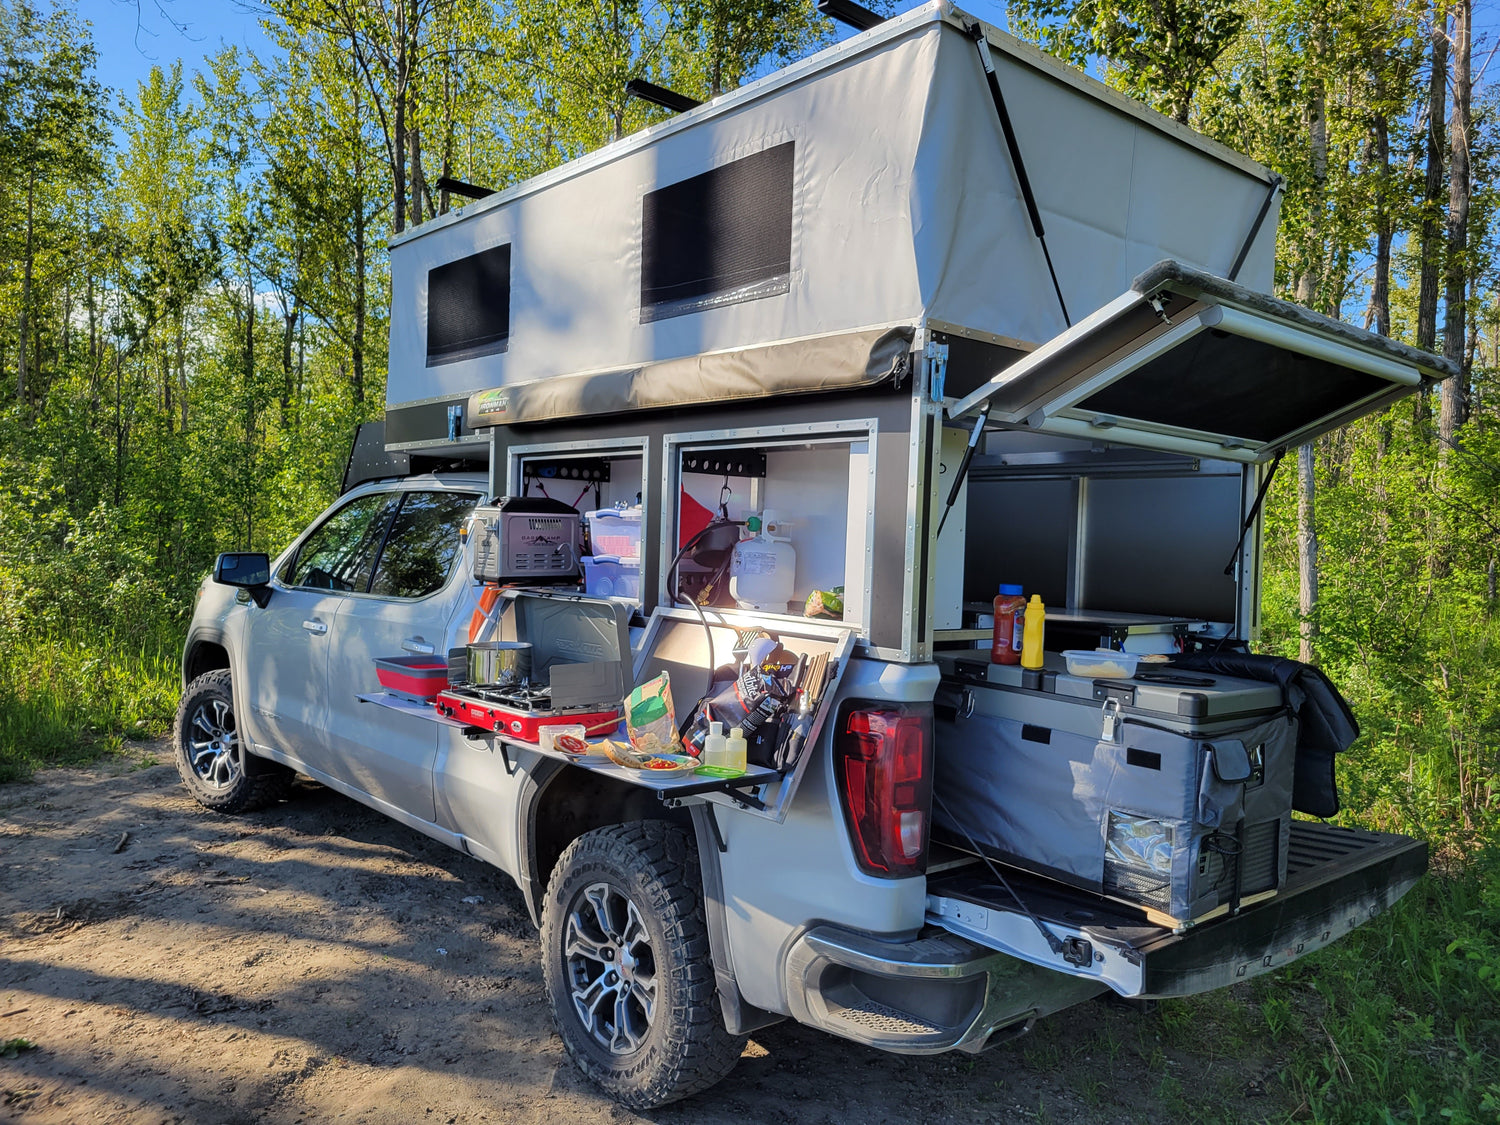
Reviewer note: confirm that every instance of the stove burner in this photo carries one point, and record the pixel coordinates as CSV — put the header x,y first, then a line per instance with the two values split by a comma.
x,y
524,698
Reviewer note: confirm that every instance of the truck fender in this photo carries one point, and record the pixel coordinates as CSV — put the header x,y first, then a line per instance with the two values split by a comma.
x,y
558,804
740,1016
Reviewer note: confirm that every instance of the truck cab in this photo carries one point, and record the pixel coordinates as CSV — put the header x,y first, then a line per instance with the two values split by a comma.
x,y
830,295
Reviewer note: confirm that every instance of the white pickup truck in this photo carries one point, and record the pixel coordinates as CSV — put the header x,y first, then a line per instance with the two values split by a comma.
x,y
826,294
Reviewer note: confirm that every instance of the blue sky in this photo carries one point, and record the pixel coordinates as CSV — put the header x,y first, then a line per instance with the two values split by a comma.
x,y
134,35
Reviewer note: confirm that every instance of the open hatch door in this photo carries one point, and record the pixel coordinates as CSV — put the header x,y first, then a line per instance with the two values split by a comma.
x,y
676,642
1186,362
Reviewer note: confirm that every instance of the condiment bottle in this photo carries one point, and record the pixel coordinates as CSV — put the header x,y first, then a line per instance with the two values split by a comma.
x,y
1010,612
734,757
715,746
1031,645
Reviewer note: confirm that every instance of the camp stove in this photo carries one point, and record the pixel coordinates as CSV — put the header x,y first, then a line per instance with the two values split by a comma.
x,y
519,712
580,670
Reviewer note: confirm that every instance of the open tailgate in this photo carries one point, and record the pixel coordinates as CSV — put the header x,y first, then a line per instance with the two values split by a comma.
x,y
1337,879
1186,362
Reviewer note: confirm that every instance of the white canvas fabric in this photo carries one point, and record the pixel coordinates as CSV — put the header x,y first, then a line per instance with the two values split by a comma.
x,y
905,210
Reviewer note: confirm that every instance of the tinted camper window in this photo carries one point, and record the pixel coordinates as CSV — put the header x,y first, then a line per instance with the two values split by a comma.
x,y
468,307
718,238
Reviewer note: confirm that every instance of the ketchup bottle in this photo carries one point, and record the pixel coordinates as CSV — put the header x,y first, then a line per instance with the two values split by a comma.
x,y
1010,610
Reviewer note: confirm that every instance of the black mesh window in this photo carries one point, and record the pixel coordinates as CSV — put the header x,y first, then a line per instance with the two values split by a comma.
x,y
423,543
718,238
468,307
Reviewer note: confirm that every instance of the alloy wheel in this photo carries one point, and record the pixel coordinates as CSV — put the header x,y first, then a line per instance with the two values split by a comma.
x,y
611,968
214,743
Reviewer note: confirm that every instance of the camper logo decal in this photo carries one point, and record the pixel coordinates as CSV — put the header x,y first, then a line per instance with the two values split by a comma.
x,y
491,402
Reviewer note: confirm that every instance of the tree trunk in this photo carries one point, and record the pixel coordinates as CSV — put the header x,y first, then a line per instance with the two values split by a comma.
x,y
289,316
119,429
358,346
398,163
1310,273
22,328
1454,391
1307,555
418,179
1308,284
182,394
1431,256
1380,296
249,408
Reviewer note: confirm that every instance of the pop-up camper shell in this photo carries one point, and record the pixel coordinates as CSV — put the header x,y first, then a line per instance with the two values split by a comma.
x,y
811,293
849,243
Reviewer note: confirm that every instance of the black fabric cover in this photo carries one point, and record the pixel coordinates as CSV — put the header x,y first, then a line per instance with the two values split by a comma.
x,y
468,307
719,237
1325,724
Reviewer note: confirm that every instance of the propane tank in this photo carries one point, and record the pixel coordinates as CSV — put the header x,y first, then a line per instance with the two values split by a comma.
x,y
763,569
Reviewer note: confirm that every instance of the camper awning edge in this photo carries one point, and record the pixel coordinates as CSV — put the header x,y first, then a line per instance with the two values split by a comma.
x,y
840,361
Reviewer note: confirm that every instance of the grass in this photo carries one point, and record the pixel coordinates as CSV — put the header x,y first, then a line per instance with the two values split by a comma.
x,y
64,700
1398,1022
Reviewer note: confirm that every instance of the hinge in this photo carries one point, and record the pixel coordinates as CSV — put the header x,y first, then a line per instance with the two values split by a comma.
x,y
937,369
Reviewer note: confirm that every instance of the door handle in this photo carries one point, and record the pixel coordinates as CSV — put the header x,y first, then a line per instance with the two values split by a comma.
x,y
316,627
418,646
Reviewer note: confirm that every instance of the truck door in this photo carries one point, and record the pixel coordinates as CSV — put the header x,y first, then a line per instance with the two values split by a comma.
x,y
1189,363
285,674
412,596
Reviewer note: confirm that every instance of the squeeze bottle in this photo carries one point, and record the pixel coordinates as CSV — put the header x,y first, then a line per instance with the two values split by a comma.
x,y
715,746
1031,644
734,757
1010,608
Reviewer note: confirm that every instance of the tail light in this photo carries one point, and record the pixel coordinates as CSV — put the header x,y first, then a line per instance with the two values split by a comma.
x,y
883,759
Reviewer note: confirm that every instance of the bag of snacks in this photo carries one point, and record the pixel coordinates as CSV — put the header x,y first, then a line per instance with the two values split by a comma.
x,y
649,717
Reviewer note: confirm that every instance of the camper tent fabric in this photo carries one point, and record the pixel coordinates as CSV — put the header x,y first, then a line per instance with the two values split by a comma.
x,y
903,210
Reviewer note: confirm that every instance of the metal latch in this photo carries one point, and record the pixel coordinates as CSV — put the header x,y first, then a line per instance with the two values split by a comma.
x,y
1111,720
1078,951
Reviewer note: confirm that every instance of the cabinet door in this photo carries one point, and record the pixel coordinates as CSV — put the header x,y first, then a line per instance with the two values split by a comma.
x,y
411,600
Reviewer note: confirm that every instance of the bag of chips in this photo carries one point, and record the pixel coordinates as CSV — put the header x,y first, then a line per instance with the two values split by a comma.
x,y
649,717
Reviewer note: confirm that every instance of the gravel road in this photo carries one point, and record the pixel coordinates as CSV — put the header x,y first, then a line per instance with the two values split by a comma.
x,y
316,962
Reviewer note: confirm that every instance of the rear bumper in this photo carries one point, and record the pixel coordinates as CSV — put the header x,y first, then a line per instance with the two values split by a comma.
x,y
938,992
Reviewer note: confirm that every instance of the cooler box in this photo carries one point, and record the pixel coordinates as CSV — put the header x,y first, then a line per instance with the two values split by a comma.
x,y
1173,796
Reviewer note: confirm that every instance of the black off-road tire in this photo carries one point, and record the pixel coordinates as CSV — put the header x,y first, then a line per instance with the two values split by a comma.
x,y
217,771
684,1048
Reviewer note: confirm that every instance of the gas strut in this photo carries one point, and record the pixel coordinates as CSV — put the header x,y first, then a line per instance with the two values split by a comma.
x,y
963,466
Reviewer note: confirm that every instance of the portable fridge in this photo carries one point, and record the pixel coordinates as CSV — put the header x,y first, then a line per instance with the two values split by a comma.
x,y
1172,796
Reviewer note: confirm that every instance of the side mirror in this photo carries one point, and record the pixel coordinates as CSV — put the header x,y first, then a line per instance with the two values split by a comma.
x,y
249,570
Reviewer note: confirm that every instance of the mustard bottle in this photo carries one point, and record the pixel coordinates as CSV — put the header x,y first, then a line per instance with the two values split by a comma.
x,y
1031,640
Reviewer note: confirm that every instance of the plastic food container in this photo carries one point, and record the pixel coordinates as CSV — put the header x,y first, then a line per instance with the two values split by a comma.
x,y
608,576
1101,663
615,531
416,677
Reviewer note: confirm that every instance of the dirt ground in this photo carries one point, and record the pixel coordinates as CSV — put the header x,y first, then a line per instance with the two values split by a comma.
x,y
316,962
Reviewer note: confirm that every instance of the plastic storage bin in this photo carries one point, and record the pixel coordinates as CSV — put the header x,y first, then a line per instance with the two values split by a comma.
x,y
1101,663
615,531
608,576
415,677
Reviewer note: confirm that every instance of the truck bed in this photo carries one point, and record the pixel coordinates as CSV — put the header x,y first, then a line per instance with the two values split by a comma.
x,y
1337,879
